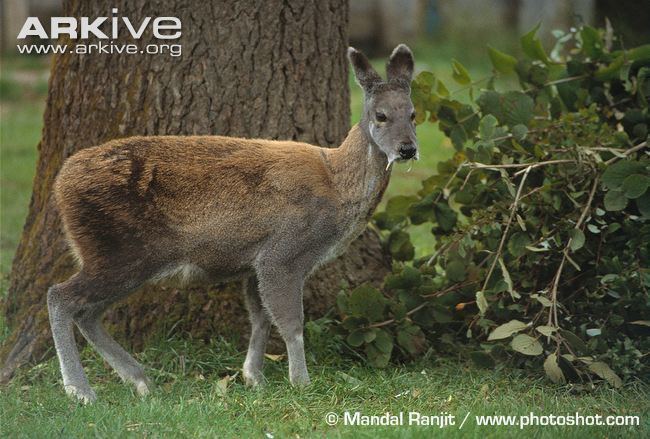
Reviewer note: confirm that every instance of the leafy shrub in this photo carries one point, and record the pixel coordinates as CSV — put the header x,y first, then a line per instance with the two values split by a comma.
x,y
541,220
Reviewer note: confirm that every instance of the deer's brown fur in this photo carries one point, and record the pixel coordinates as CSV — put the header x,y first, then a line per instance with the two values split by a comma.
x,y
176,197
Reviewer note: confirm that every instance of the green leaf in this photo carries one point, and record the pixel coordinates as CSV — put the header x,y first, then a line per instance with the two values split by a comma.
x,y
400,246
643,204
409,278
399,204
441,89
423,210
517,244
510,108
615,200
384,221
593,228
464,196
519,132
370,335
526,345
383,341
366,301
481,302
460,73
577,239
376,358
508,280
352,323
445,216
456,271
425,80
502,62
411,338
395,212
355,338
605,372
532,46
518,108
546,330
487,126
490,103
542,299
635,185
592,44
553,370
482,359
458,137
616,173
506,330
441,314
574,341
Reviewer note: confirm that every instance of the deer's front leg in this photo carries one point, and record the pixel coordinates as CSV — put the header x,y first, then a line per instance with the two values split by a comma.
x,y
260,329
281,294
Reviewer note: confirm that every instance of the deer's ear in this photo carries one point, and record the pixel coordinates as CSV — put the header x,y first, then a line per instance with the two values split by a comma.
x,y
364,73
400,65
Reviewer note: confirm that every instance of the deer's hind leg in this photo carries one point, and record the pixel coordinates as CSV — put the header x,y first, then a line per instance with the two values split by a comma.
x,y
82,300
91,327
64,300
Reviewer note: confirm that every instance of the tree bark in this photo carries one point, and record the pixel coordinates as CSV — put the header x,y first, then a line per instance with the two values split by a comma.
x,y
267,69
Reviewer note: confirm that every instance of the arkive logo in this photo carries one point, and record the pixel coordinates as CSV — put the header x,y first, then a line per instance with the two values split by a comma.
x,y
104,31
83,28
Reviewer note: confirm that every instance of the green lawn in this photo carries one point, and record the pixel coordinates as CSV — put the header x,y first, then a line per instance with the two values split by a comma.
x,y
192,398
22,98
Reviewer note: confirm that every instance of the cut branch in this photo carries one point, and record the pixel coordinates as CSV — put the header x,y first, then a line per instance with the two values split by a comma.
x,y
422,305
552,314
476,165
513,211
632,150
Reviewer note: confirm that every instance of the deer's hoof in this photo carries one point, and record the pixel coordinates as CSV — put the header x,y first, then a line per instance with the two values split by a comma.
x,y
142,387
300,380
254,379
85,395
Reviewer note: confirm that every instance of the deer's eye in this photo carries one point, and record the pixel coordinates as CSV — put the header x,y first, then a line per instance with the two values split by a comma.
x,y
381,117
413,116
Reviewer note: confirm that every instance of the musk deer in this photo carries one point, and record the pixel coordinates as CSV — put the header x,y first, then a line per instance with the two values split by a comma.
x,y
269,212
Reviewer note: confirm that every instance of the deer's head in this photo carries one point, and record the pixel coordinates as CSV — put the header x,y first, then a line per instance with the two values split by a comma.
x,y
388,114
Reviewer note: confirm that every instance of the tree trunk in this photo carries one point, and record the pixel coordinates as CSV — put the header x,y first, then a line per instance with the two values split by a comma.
x,y
268,69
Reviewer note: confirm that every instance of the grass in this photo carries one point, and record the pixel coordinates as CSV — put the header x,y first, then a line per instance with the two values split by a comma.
x,y
19,135
192,395
23,86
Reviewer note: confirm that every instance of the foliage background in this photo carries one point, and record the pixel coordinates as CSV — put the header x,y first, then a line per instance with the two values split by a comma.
x,y
540,219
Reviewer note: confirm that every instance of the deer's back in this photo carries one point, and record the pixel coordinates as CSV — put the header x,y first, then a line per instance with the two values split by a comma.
x,y
213,200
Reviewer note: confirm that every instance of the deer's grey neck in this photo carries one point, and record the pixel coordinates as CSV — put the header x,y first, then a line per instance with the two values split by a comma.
x,y
359,167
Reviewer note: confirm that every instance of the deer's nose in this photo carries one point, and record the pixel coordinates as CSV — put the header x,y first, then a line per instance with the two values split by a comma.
x,y
407,150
